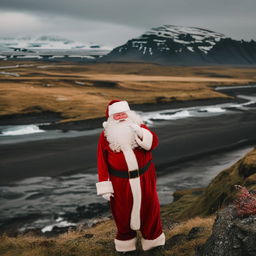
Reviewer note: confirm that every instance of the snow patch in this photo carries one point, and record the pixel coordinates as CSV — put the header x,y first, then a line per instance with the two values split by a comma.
x,y
205,49
190,48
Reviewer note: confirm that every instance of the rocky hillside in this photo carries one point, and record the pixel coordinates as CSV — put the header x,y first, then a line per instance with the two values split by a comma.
x,y
178,45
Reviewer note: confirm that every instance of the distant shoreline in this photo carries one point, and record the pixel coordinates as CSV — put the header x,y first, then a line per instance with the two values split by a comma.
x,y
87,124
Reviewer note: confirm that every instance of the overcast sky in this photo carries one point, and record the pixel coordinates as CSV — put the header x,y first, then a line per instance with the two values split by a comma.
x,y
113,22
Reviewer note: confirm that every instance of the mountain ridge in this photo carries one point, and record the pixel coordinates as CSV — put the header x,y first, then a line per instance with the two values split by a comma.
x,y
180,45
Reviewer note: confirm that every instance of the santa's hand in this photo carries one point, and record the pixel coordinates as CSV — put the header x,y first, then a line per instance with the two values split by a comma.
x,y
107,196
137,129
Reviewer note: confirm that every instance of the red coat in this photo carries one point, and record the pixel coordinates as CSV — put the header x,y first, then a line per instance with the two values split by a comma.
x,y
116,160
124,198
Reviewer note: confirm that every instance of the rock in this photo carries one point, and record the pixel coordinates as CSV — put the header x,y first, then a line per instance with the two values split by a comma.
x,y
87,212
174,240
247,165
231,235
193,233
60,230
246,170
88,236
156,251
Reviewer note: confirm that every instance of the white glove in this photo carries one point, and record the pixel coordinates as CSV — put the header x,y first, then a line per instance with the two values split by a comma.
x,y
137,129
107,196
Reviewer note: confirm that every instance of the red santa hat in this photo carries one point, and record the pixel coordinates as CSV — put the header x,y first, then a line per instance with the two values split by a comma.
x,y
116,106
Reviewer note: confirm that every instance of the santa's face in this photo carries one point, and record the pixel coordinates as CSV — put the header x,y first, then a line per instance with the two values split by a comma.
x,y
121,116
118,131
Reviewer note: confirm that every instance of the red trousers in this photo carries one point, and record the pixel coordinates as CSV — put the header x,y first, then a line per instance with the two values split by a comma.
x,y
122,202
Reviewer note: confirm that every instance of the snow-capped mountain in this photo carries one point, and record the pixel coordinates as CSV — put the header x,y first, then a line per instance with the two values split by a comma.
x,y
169,44
49,47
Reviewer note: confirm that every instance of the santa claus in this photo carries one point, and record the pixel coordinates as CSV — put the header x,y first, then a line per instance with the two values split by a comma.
x,y
127,177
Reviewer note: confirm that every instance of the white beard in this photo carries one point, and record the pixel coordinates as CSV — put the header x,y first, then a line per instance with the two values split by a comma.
x,y
119,134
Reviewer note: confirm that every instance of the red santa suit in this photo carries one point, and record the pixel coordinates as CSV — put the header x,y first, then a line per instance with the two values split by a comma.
x,y
135,204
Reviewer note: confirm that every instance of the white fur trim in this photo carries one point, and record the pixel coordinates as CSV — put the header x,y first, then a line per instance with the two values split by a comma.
x,y
136,194
148,244
132,164
126,245
117,107
130,158
147,139
104,187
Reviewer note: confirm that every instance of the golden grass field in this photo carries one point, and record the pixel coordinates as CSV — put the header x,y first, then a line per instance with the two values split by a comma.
x,y
82,91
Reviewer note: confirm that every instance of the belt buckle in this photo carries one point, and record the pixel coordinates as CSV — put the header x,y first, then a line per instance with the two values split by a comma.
x,y
138,173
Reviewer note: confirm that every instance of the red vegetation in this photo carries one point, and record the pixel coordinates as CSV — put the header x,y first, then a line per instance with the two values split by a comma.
x,y
246,202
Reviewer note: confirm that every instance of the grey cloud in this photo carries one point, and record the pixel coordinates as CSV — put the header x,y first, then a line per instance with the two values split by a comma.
x,y
226,16
142,13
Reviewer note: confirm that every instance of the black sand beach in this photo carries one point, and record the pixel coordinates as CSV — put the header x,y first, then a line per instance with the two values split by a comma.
x,y
180,140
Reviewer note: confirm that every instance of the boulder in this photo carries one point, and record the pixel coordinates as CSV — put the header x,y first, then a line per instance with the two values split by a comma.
x,y
231,235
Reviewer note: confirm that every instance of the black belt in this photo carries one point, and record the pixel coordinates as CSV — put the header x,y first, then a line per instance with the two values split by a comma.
x,y
130,174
